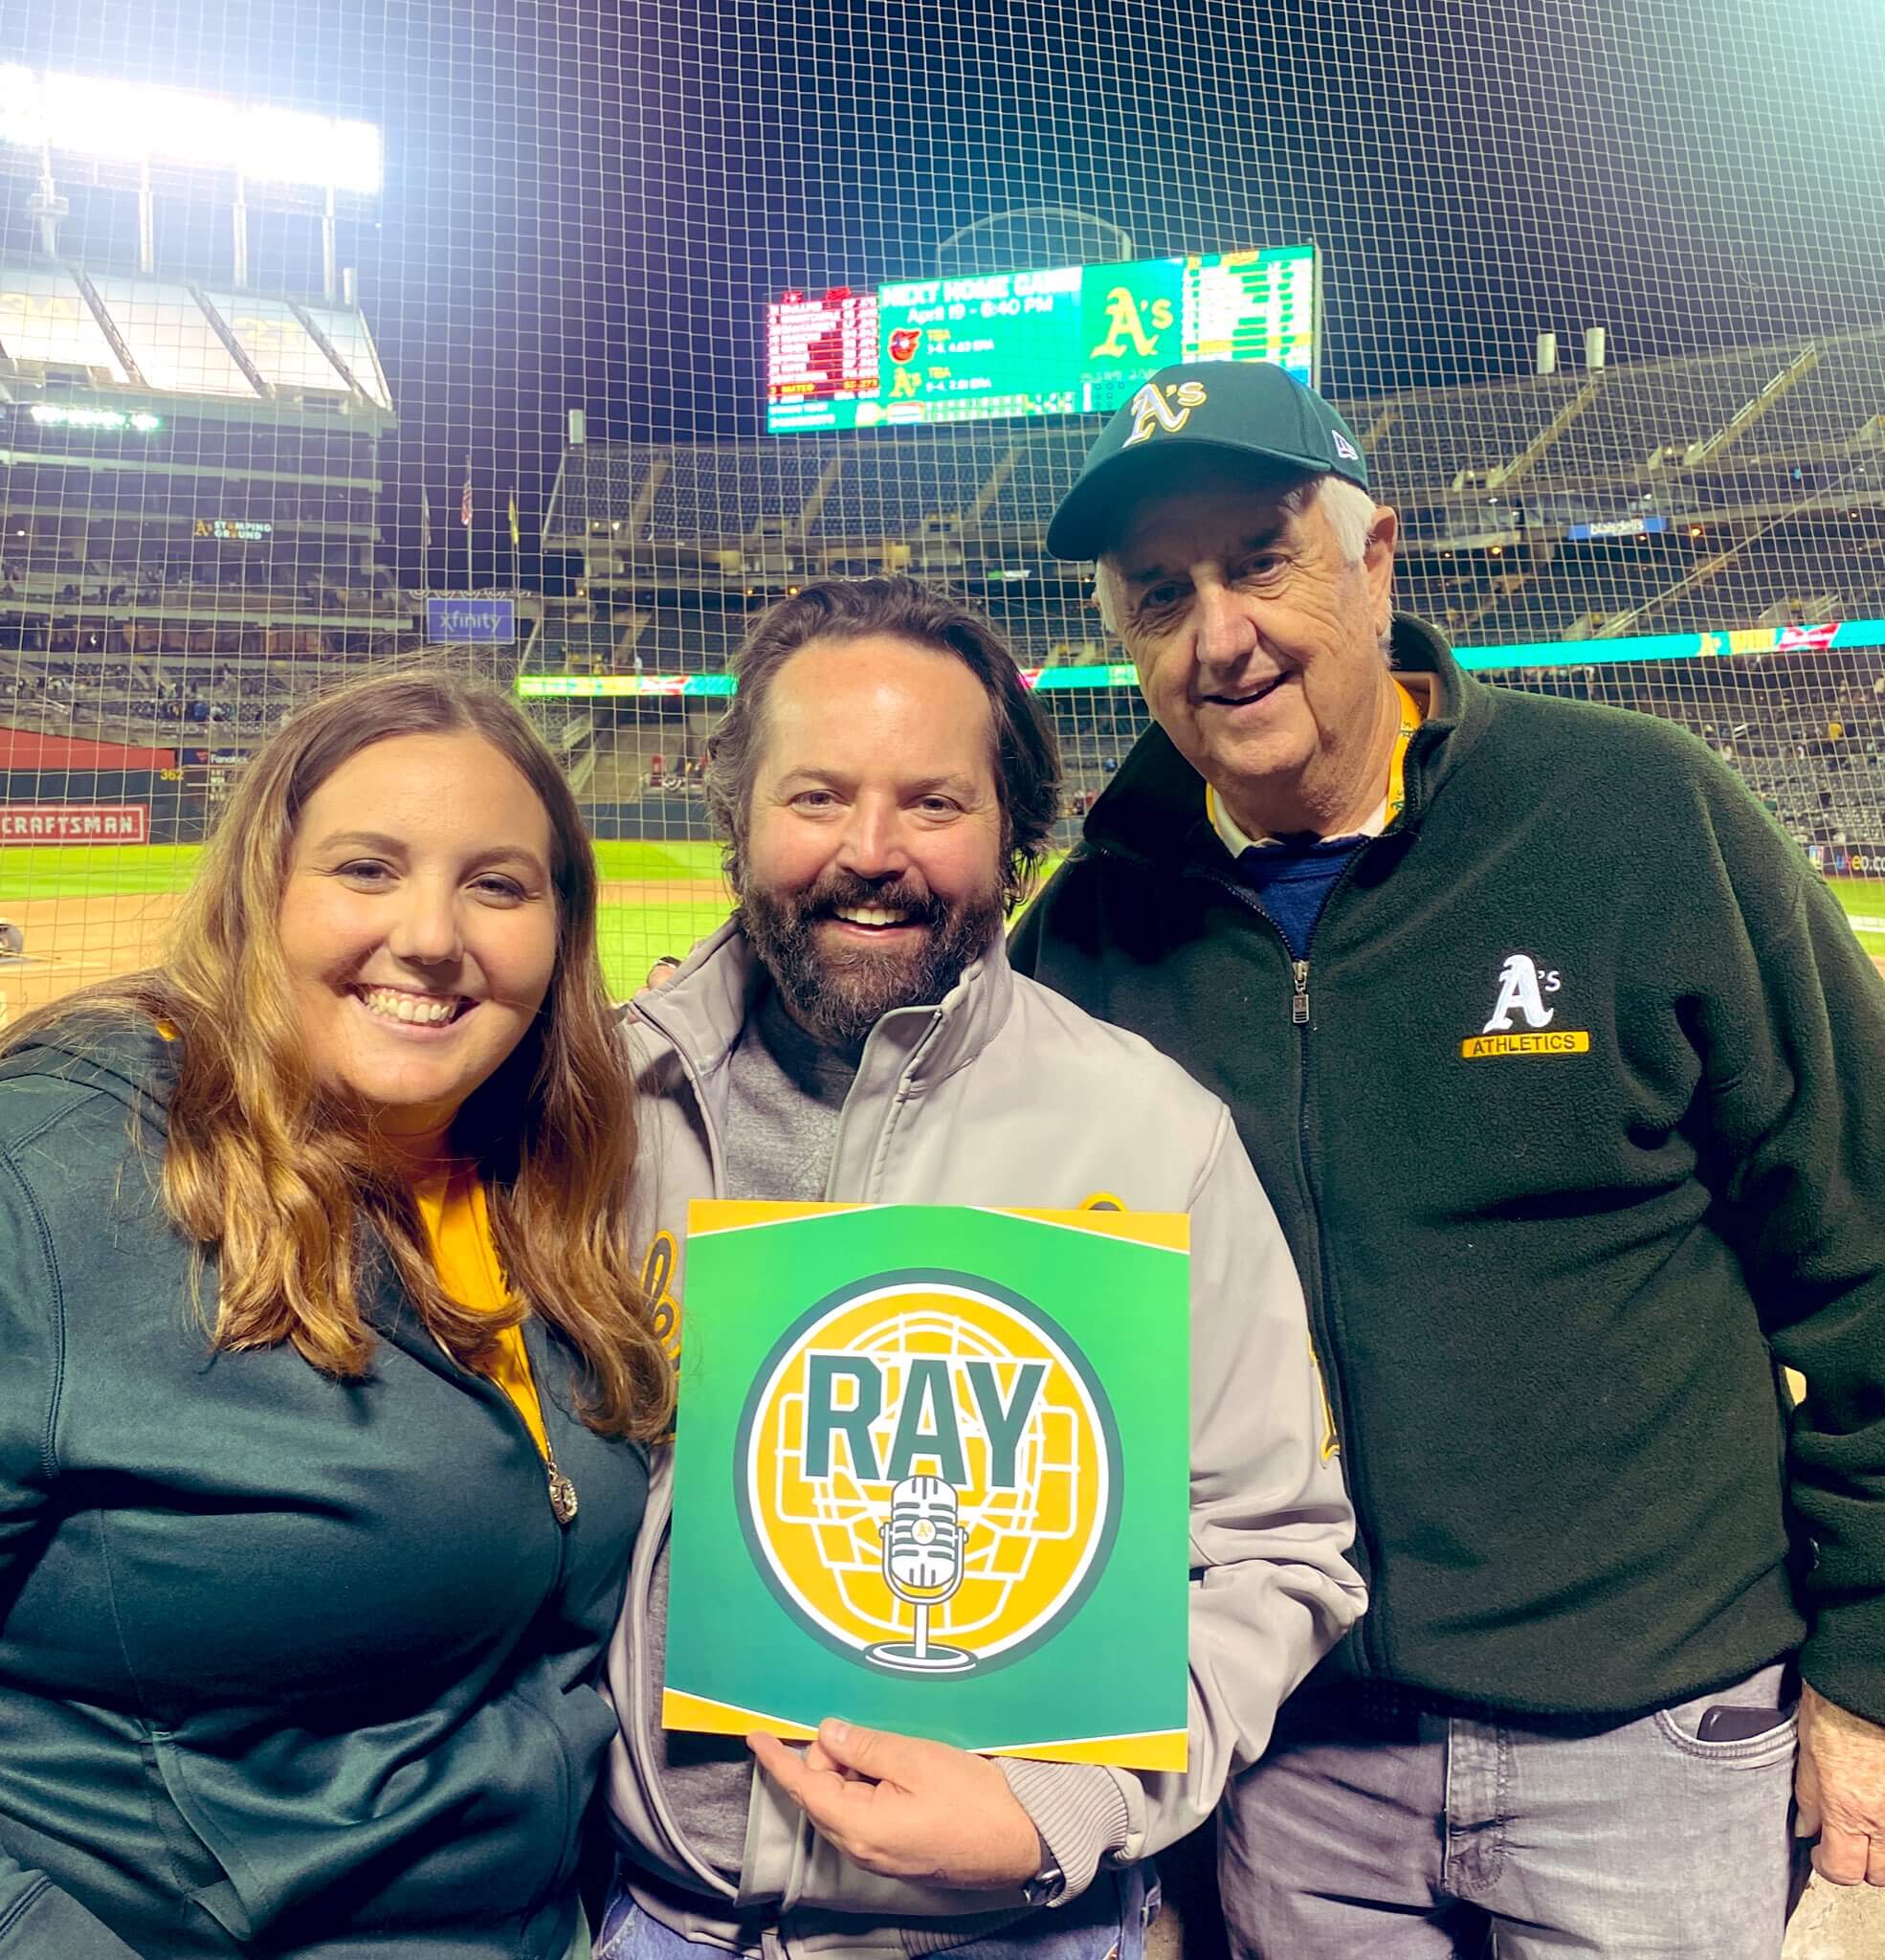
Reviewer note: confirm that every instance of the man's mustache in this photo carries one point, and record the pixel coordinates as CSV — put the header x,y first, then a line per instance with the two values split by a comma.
x,y
843,889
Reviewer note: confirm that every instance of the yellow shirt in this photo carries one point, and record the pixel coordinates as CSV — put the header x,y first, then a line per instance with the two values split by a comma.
x,y
458,1222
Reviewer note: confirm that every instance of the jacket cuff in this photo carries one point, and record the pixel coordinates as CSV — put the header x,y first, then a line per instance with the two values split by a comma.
x,y
1079,1811
1841,1658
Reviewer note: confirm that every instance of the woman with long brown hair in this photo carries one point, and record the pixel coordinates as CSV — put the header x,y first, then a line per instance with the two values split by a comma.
x,y
326,1371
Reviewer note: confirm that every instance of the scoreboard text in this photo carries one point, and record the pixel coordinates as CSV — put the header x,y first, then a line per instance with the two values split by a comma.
x,y
1070,340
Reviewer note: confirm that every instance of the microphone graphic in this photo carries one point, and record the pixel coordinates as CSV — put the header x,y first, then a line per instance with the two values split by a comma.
x,y
922,1565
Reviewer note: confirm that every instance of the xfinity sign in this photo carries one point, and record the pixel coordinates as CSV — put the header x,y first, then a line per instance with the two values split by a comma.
x,y
456,622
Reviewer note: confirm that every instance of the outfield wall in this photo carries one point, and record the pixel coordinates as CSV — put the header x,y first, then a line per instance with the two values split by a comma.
x,y
32,800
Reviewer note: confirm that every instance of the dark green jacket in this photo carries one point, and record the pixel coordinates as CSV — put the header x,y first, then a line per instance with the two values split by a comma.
x,y
287,1665
1550,1270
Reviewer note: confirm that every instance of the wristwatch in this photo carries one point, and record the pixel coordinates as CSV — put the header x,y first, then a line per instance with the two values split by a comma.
x,y
1048,1882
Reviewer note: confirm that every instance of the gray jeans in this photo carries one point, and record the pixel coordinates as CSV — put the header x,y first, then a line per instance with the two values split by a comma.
x,y
1423,1837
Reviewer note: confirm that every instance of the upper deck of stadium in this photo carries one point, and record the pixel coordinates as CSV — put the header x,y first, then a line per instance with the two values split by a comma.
x,y
1699,437
1736,489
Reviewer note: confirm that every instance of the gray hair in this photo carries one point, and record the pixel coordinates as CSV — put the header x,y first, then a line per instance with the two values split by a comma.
x,y
1349,508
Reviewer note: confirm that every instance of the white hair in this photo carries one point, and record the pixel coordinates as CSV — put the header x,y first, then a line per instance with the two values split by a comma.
x,y
1349,509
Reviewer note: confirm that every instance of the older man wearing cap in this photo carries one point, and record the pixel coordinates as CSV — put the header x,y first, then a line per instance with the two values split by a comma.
x,y
1567,1078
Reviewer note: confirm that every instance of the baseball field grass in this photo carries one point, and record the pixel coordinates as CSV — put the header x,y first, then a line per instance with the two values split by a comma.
x,y
87,910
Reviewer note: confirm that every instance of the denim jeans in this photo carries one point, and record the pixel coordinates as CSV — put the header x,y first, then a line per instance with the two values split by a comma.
x,y
1427,1837
1107,1922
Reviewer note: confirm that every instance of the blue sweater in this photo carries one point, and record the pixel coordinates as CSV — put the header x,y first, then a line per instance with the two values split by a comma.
x,y
1294,881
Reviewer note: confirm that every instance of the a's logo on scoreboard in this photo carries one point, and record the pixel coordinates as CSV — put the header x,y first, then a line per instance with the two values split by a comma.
x,y
1126,321
928,1474
1151,411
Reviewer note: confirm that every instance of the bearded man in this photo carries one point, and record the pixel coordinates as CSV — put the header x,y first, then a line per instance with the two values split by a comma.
x,y
886,785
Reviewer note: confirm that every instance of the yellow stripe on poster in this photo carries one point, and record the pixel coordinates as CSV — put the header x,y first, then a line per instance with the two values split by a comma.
x,y
701,1716
1154,1749
1555,1041
1165,1230
741,1214
1158,1748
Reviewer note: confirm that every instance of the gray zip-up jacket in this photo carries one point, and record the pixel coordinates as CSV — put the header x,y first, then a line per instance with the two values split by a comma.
x,y
1007,1094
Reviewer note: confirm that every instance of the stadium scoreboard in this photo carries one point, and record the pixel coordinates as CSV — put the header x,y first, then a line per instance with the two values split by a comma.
x,y
1067,340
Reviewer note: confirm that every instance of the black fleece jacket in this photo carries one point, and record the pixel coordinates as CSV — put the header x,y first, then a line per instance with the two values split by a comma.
x,y
1581,1136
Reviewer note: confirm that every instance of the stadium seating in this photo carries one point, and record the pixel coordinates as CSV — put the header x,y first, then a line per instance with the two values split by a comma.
x,y
734,491
1044,465
908,478
596,486
1425,441
1829,406
1639,411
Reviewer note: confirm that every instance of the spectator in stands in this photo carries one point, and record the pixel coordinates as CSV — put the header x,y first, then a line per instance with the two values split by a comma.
x,y
886,783
324,1353
1570,1079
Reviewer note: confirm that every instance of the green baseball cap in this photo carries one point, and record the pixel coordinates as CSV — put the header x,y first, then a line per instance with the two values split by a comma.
x,y
1251,409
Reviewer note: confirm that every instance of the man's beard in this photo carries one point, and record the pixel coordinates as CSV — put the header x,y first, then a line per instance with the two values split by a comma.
x,y
840,996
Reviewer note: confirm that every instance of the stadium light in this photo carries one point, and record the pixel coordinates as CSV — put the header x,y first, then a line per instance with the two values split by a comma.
x,y
137,122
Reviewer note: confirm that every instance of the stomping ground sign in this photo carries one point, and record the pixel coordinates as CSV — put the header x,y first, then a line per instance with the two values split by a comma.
x,y
931,1474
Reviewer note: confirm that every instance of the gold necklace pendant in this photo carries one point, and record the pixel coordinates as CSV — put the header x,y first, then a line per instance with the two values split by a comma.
x,y
562,1495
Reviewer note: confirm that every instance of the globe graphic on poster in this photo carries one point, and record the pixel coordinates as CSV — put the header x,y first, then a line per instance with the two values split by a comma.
x,y
973,1397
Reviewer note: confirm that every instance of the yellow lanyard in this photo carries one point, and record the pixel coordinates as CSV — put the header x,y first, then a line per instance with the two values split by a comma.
x,y
1397,762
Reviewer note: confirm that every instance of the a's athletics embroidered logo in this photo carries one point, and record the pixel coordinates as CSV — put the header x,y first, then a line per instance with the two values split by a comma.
x,y
1151,411
928,1474
1523,985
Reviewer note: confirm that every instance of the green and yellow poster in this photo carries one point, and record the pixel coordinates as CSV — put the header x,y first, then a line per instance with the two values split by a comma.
x,y
932,1474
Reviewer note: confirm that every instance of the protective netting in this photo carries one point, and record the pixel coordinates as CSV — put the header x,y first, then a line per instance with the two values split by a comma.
x,y
445,331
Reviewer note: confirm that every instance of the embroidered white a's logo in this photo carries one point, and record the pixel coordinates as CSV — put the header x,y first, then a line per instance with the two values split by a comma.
x,y
1521,989
1151,411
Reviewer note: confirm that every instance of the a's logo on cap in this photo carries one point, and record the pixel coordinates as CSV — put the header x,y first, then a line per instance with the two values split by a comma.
x,y
1343,447
928,1474
1151,411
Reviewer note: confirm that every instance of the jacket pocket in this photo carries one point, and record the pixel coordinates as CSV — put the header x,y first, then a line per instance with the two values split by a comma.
x,y
204,1878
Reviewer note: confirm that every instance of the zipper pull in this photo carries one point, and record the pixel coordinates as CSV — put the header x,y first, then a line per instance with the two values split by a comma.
x,y
563,1493
1299,1005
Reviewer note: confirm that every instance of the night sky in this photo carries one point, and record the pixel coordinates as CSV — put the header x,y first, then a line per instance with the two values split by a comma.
x,y
587,204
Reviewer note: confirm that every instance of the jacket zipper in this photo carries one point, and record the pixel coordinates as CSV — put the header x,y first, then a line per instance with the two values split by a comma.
x,y
1322,1294
657,1523
562,1524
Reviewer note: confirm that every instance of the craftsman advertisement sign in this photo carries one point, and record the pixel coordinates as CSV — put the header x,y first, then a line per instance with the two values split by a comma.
x,y
75,823
932,1475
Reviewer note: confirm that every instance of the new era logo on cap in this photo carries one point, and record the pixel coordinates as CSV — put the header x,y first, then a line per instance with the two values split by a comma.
x,y
1253,410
